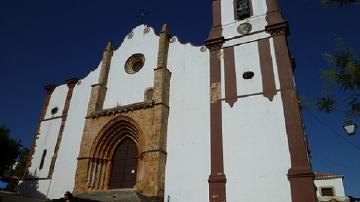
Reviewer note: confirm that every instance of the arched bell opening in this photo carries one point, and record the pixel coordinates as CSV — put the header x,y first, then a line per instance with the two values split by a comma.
x,y
114,156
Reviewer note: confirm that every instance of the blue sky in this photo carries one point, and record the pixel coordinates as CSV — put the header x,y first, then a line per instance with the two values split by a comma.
x,y
44,42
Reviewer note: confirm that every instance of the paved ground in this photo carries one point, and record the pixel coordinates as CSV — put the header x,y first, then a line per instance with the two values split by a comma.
x,y
100,196
12,197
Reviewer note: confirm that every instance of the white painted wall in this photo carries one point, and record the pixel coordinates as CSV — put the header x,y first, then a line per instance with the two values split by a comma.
x,y
188,138
47,137
337,183
48,133
247,59
259,7
66,163
124,88
256,154
57,99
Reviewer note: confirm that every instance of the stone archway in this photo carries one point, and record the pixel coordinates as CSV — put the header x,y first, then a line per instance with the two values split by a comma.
x,y
109,144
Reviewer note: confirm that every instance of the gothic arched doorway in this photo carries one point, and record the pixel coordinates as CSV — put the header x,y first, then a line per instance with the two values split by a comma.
x,y
114,156
124,164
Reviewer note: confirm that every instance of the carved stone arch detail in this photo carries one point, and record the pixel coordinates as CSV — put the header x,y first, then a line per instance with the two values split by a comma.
x,y
104,146
112,134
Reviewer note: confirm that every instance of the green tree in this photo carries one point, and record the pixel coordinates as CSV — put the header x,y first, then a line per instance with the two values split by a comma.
x,y
9,149
20,167
342,77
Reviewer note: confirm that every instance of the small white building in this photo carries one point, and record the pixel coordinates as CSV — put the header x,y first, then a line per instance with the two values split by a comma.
x,y
330,188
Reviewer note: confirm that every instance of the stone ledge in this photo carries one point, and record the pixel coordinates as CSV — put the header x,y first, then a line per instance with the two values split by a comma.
x,y
120,109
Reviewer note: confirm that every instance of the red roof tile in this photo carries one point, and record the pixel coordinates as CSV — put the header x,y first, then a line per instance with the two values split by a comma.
x,y
321,176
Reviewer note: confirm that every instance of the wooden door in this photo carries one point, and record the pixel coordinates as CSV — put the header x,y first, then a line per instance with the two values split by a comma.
x,y
124,164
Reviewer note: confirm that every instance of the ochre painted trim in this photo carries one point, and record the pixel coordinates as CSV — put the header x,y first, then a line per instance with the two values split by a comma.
x,y
230,76
252,94
216,29
273,15
52,118
49,89
71,84
267,71
300,174
217,178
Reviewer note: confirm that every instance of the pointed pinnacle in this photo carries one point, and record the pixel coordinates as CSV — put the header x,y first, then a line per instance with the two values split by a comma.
x,y
164,28
109,47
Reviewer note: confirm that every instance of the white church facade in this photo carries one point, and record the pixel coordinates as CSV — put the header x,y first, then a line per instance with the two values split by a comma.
x,y
180,123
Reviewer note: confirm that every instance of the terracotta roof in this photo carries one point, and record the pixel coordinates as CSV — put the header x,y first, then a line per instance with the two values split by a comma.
x,y
323,176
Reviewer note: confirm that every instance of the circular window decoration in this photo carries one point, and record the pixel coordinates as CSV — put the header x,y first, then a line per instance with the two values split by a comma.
x,y
54,110
134,63
248,75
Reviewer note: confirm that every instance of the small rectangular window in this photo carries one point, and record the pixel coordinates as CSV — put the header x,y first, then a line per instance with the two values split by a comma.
x,y
42,159
242,9
328,191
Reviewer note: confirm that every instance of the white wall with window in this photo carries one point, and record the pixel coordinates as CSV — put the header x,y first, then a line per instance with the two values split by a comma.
x,y
330,187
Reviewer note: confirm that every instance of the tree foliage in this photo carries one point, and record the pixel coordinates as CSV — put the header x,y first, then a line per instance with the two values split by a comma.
x,y
9,149
341,2
343,74
20,167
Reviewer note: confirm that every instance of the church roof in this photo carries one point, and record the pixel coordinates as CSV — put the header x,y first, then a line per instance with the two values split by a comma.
x,y
324,176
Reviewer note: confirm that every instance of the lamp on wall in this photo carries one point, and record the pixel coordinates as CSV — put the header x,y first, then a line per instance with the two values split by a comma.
x,y
350,127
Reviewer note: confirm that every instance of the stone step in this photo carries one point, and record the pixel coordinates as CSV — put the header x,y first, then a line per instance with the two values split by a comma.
x,y
123,195
13,197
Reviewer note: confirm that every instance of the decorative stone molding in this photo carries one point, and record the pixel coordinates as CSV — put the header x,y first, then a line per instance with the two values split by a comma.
x,y
281,28
173,39
215,43
130,35
134,63
146,30
121,109
98,90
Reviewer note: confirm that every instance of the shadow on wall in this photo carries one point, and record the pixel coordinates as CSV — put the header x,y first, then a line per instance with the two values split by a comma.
x,y
29,188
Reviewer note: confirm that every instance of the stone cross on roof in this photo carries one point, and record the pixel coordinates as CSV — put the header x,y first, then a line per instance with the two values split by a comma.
x,y
142,15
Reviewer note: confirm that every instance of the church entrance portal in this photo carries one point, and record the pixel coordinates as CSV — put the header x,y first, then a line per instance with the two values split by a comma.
x,y
124,164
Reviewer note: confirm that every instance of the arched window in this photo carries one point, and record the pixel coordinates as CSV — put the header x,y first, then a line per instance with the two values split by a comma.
x,y
242,9
42,159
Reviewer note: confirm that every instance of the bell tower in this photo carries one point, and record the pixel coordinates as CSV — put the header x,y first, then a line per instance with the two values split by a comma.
x,y
258,147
